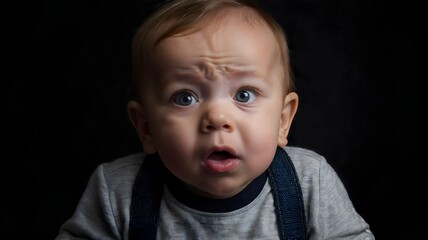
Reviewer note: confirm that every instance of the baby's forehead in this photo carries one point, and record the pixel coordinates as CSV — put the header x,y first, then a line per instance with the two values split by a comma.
x,y
234,28
223,34
215,21
229,48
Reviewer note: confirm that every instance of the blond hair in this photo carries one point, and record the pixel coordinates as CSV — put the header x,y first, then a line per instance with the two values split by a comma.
x,y
177,16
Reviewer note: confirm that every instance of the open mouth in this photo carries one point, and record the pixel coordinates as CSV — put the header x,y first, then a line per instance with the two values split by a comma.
x,y
220,155
220,161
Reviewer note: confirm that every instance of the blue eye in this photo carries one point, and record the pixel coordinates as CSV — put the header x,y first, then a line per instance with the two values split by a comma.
x,y
245,96
184,99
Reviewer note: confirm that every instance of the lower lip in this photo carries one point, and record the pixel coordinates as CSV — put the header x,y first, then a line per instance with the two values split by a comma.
x,y
220,166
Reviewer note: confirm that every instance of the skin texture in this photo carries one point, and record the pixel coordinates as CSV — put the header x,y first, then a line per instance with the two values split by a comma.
x,y
217,89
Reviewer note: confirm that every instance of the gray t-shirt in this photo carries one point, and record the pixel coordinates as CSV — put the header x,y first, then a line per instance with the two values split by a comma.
x,y
104,209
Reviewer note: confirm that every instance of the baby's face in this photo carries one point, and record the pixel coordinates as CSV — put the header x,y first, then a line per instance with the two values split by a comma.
x,y
215,107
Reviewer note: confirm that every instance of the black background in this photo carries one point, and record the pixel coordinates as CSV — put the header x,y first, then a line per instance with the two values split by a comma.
x,y
65,74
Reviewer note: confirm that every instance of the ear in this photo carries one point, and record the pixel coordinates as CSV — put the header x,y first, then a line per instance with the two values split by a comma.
x,y
141,125
289,109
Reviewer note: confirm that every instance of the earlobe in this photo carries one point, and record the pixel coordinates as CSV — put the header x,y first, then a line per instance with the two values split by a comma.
x,y
289,109
141,125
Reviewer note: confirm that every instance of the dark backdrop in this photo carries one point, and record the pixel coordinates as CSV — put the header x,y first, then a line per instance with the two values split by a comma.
x,y
65,76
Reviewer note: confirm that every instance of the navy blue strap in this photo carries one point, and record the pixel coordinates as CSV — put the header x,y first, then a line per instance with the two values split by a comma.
x,y
287,194
146,199
288,198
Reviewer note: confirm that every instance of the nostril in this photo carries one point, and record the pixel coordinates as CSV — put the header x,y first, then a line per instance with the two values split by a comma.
x,y
227,126
210,128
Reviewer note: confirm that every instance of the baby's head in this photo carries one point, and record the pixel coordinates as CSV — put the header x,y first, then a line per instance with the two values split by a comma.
x,y
183,17
213,92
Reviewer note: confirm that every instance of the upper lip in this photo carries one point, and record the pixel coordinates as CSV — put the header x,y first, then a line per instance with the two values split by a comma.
x,y
222,148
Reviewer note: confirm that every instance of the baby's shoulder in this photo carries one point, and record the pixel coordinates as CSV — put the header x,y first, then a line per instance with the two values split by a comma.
x,y
308,163
125,166
299,154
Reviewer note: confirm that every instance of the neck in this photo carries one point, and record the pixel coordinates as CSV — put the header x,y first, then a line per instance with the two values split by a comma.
x,y
206,204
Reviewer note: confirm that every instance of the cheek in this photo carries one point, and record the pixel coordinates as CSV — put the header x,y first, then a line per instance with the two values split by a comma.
x,y
172,144
174,138
167,131
264,125
260,137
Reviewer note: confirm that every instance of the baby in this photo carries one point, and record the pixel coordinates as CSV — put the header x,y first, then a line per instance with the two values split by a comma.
x,y
213,105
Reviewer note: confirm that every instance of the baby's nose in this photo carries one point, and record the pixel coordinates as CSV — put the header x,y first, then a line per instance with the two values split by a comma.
x,y
216,118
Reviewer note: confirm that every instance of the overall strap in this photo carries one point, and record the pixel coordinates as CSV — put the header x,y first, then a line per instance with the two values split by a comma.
x,y
288,198
286,191
146,199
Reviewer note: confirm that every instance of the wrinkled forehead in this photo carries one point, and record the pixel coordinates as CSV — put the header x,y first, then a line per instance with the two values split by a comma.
x,y
214,22
225,36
